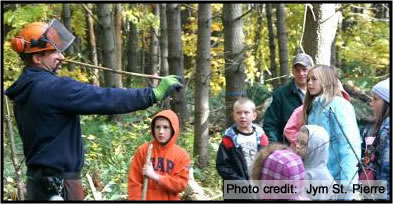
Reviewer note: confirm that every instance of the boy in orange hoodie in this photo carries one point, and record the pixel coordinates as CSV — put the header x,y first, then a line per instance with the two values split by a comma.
x,y
169,163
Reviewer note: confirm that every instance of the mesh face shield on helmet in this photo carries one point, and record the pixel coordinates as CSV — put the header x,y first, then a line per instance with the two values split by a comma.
x,y
39,36
58,36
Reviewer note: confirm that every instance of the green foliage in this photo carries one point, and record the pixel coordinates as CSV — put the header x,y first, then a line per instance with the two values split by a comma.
x,y
364,46
142,18
294,23
24,15
110,147
259,93
12,65
28,13
76,74
78,22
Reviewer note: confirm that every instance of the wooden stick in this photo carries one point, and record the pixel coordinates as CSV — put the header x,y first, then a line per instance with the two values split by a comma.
x,y
14,158
115,71
96,195
146,179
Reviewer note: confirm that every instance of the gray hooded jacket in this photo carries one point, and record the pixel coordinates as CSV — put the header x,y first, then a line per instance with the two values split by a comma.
x,y
315,162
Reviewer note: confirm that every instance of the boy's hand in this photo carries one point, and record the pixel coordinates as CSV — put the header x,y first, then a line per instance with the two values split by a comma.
x,y
149,172
167,84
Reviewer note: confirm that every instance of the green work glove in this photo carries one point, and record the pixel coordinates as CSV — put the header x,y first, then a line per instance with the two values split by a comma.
x,y
167,84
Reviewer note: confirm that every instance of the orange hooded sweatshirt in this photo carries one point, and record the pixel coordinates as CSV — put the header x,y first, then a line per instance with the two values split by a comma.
x,y
169,160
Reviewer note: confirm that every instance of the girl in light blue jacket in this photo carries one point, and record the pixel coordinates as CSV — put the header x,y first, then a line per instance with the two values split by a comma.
x,y
325,106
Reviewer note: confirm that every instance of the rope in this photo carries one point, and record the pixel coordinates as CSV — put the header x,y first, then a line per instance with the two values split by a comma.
x,y
304,24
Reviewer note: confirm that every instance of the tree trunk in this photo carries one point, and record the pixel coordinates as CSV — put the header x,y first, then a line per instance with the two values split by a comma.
x,y
132,54
154,45
202,83
319,34
185,15
272,46
93,48
118,40
282,42
66,15
234,57
333,50
164,48
99,34
175,59
163,41
258,45
109,48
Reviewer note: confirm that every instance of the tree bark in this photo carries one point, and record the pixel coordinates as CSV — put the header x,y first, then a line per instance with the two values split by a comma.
x,y
118,25
202,83
154,45
163,41
132,53
272,46
319,33
164,69
175,59
258,45
93,48
66,15
234,57
109,49
282,42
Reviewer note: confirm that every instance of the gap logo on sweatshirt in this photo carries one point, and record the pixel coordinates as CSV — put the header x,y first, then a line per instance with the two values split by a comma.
x,y
159,164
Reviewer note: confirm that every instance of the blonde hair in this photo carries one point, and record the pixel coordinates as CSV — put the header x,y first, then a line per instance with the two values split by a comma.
x,y
244,100
330,88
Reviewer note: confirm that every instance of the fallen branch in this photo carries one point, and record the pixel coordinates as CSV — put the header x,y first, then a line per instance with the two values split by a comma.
x,y
112,70
96,195
354,91
14,158
197,192
92,15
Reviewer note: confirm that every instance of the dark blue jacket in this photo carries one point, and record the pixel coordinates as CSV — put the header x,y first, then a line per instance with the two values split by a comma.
x,y
47,109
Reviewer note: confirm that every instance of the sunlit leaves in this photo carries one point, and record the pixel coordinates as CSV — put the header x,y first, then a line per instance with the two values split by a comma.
x,y
141,16
25,14
12,65
78,22
364,45
75,74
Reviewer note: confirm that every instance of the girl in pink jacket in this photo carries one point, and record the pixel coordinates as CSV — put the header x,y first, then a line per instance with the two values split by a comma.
x,y
295,121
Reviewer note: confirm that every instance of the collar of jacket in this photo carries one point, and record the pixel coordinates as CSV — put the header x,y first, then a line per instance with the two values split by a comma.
x,y
292,87
230,132
37,69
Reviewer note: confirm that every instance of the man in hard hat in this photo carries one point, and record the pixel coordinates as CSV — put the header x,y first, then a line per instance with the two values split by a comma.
x,y
47,109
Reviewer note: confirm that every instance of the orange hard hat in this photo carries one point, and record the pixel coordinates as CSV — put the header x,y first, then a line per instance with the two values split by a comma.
x,y
31,39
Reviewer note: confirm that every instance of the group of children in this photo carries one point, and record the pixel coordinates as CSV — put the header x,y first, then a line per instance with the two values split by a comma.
x,y
325,144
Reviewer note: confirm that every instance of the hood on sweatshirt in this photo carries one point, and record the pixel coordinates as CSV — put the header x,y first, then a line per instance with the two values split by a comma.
x,y
173,121
20,89
317,156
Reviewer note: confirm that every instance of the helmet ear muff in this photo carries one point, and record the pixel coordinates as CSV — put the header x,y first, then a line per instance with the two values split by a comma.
x,y
18,44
